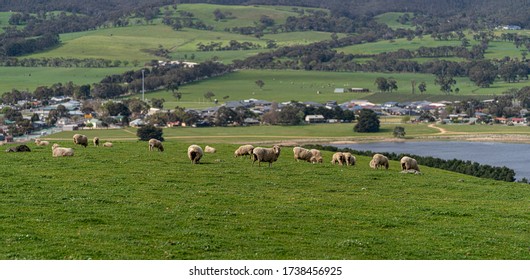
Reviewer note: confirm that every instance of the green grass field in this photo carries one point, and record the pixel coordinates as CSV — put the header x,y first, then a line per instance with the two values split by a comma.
x,y
391,19
29,78
315,133
128,203
4,20
286,85
133,42
237,16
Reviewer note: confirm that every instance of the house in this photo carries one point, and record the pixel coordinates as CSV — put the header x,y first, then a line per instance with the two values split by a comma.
x,y
501,120
94,123
315,119
510,27
70,127
359,90
518,121
137,123
250,121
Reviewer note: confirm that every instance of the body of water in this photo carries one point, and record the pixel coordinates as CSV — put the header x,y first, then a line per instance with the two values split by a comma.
x,y
513,156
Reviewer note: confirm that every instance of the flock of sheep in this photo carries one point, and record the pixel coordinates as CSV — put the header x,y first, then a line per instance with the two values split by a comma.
x,y
270,155
259,154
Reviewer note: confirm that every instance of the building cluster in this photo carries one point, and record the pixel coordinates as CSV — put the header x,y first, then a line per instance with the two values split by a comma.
x,y
438,110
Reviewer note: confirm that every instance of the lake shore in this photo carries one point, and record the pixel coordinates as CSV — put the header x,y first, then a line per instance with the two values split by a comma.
x,y
501,138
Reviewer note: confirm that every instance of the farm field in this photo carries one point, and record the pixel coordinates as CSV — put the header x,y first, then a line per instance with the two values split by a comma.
x,y
287,85
29,78
315,133
129,203
135,44
305,133
137,41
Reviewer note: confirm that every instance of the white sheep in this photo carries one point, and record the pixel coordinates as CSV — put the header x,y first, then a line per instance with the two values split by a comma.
x,y
302,154
338,157
96,141
195,153
210,150
244,151
269,155
61,152
39,142
408,163
107,144
379,160
80,140
316,156
155,143
349,159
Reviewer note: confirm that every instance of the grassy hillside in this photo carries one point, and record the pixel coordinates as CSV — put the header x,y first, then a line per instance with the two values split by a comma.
x,y
285,85
391,19
29,78
129,203
136,43
319,133
237,16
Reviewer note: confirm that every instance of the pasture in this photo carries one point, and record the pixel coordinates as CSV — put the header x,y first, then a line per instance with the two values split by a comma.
x,y
136,44
287,85
128,203
29,78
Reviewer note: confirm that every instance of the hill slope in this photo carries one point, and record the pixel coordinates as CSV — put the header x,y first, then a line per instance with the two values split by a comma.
x,y
129,203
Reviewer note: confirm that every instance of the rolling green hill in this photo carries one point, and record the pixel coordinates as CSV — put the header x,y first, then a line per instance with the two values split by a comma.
x,y
128,203
285,85
136,44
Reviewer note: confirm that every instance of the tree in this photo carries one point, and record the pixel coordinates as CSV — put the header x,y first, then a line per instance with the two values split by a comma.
x,y
218,15
260,83
399,132
149,132
368,122
177,95
158,103
291,115
483,73
82,92
224,116
209,95
445,81
422,87
382,84
392,84
116,108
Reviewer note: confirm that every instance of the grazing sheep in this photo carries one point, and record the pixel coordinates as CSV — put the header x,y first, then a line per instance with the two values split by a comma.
x,y
244,151
39,142
96,141
269,155
195,153
302,154
338,157
210,150
107,144
316,156
80,140
379,160
19,148
155,143
349,158
61,152
408,163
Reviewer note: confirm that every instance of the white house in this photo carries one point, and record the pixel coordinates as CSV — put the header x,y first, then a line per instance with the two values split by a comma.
x,y
315,119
